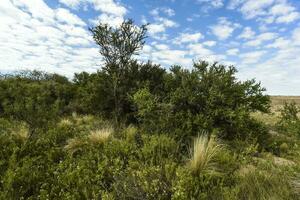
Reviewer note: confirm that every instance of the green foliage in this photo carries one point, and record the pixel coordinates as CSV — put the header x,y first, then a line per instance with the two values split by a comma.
x,y
35,98
263,185
289,112
148,182
208,97
289,119
124,132
159,149
204,186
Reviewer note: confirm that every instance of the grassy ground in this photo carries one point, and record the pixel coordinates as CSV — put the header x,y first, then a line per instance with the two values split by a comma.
x,y
278,101
83,157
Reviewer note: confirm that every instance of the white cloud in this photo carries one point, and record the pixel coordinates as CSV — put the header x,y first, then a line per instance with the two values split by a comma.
x,y
259,39
223,29
38,9
233,4
209,43
72,3
112,20
157,11
112,12
232,52
280,43
288,18
161,47
279,74
64,15
296,36
267,11
43,38
160,26
198,51
187,38
252,57
166,56
254,8
153,29
281,9
212,3
105,6
109,7
247,33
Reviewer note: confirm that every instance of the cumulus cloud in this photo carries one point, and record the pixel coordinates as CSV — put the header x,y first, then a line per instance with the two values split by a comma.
x,y
224,28
209,43
72,3
267,11
158,28
232,52
247,33
166,56
65,16
207,5
251,57
254,8
261,38
162,10
43,38
288,18
278,69
187,38
112,12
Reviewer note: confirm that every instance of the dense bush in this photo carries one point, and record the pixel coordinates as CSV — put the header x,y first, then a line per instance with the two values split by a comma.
x,y
35,98
208,97
289,119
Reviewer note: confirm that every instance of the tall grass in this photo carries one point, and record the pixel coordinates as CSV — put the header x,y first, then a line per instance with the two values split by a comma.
x,y
203,154
74,144
100,136
95,137
264,185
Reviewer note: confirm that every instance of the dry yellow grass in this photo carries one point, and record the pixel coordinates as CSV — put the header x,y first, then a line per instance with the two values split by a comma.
x,y
74,145
101,135
277,103
202,154
21,134
65,122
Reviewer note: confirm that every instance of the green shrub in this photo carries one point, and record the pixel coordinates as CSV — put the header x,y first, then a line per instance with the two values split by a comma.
x,y
149,182
289,121
258,184
207,97
203,186
159,149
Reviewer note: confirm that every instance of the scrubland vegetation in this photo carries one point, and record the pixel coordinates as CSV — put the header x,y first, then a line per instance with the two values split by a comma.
x,y
135,130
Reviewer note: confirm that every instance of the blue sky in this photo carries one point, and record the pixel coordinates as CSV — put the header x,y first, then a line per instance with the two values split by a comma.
x,y
260,37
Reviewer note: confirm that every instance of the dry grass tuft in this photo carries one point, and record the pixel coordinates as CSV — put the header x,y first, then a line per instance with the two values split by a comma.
x,y
296,185
203,153
74,144
65,122
21,134
100,136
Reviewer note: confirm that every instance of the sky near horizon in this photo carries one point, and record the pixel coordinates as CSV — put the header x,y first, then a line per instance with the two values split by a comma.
x,y
260,37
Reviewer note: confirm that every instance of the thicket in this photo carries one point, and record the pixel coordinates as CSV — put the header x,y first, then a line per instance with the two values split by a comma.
x,y
126,131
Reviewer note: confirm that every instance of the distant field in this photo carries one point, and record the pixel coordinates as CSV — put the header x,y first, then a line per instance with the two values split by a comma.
x,y
279,100
276,104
